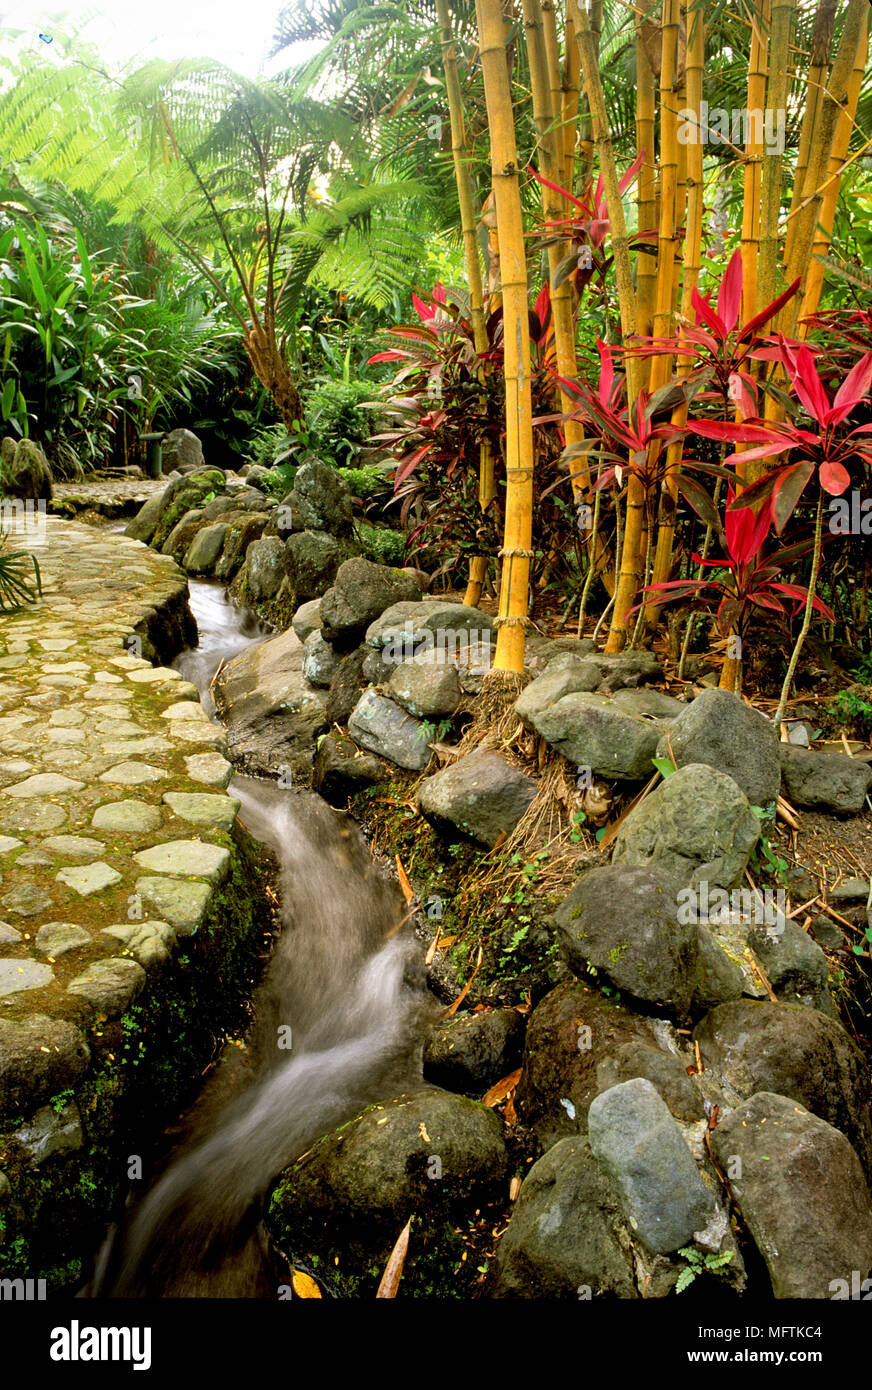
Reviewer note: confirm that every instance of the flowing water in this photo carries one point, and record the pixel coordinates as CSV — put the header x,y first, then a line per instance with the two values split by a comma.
x,y
347,984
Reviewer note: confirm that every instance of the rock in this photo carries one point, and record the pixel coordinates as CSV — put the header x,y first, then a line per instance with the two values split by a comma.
x,y
56,938
425,688
203,808
49,1133
827,934
825,781
181,496
209,768
446,632
566,1237
647,1160
802,1194
796,1052
264,568
697,824
43,784
39,1056
110,985
243,529
181,902
341,769
850,890
150,943
144,524
27,475
645,948
346,686
26,899
320,660
429,1154
219,506
182,450
73,846
382,727
795,966
362,591
186,858
127,817
568,1034
481,794
322,499
86,879
273,715
307,618
666,1072
719,729
571,675
17,976
591,733
207,545
313,562
653,702
472,1051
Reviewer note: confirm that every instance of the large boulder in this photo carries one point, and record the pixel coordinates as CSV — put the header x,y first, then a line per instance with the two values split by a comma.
x,y
445,632
472,1051
591,732
625,922
182,495
794,1051
39,1057
360,593
719,729
264,568
825,781
347,684
144,524
206,547
647,1160
273,715
429,1155
697,824
243,528
341,769
313,559
426,688
384,728
181,451
567,1237
320,660
26,475
307,618
565,678
319,500
482,795
803,1196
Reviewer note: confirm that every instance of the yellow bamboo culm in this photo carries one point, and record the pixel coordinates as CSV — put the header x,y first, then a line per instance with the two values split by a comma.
x,y
822,142
693,151
646,194
628,578
570,83
468,227
826,217
753,157
518,536
819,58
772,173
661,364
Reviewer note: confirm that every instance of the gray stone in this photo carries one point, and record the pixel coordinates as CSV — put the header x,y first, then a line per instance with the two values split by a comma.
x,y
127,817
133,774
8,935
307,618
802,1194
382,727
719,729
39,1056
194,858
850,890
697,824
265,567
653,702
346,686
645,948
426,689
566,1233
361,592
181,450
320,660
144,524
26,475
86,879
341,769
472,1051
322,499
795,965
642,1150
43,784
50,1133
827,934
825,781
481,794
590,732
110,985
203,808
752,1046
74,846
666,1071
150,943
207,545
18,975
209,768
56,938
313,559
415,627
181,902
26,899
571,675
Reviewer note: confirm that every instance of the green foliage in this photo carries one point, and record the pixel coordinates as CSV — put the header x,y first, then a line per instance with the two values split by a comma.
x,y
851,709
380,544
367,482
699,1263
16,587
337,424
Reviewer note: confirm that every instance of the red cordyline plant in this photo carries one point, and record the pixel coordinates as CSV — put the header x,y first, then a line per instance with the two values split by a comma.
x,y
746,582
587,230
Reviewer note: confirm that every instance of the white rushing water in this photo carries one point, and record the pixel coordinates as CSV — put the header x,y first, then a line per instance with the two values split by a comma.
x,y
347,984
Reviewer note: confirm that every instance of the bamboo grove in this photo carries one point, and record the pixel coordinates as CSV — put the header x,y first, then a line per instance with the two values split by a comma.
x,y
716,269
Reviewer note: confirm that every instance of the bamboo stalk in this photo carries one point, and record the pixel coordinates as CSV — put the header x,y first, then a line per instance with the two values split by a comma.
x,y
469,232
517,544
753,156
646,195
772,173
841,142
570,86
819,58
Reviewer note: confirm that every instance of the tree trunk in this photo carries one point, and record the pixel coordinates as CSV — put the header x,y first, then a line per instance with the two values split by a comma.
x,y
273,374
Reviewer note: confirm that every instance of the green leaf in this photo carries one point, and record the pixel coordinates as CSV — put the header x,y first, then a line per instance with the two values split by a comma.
x,y
665,766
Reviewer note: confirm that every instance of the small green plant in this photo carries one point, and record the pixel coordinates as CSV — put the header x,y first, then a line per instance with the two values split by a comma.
x,y
578,820
778,867
381,544
16,588
516,939
61,1100
698,1263
851,709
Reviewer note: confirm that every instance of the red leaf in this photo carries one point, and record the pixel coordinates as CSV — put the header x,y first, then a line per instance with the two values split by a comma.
x,y
730,294
853,389
703,308
787,491
424,311
833,477
770,311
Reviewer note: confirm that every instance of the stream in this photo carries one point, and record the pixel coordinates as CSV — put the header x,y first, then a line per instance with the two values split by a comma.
x,y
347,984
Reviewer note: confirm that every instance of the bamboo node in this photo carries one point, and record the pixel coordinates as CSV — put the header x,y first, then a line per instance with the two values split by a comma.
x,y
510,622
514,552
